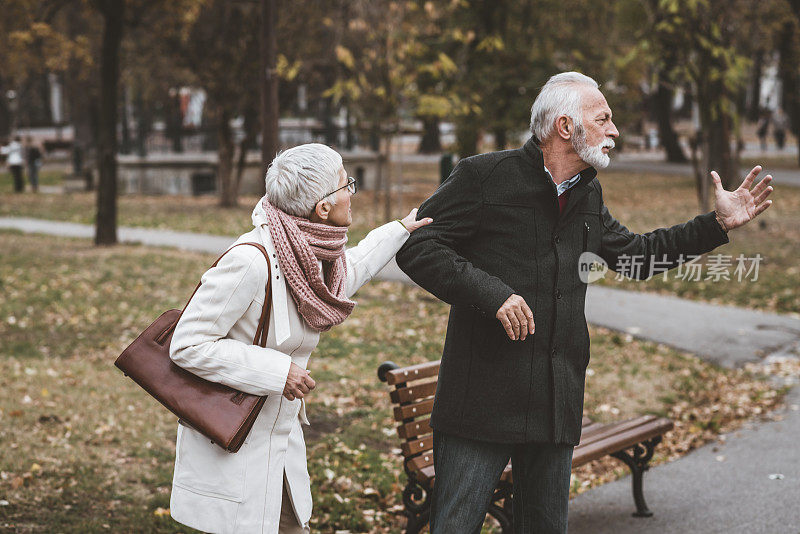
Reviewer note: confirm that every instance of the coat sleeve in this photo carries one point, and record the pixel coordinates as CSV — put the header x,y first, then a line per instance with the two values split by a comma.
x,y
200,343
372,254
635,255
432,257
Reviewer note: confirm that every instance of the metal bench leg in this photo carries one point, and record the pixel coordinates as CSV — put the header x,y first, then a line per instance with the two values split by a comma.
x,y
637,460
417,501
503,514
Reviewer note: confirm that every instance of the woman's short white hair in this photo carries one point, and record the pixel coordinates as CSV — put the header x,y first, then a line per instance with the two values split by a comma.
x,y
300,177
561,95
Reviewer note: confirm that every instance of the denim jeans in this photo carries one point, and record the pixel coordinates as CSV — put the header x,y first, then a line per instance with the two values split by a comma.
x,y
467,473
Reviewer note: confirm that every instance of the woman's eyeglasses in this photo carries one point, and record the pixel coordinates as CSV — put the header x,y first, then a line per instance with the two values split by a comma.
x,y
351,187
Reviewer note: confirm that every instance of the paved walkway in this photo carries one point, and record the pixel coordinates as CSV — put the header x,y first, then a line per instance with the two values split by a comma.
x,y
748,484
718,488
640,163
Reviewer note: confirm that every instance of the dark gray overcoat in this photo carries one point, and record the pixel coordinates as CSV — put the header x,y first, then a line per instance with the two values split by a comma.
x,y
497,231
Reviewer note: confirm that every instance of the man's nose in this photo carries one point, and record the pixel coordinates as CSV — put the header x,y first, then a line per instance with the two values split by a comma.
x,y
612,131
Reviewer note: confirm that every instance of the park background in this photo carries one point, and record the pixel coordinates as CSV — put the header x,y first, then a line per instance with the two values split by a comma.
x,y
164,114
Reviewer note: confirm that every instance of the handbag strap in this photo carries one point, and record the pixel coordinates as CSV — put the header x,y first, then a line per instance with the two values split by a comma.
x,y
262,331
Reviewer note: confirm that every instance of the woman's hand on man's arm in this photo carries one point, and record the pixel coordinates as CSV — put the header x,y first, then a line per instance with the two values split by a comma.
x,y
411,223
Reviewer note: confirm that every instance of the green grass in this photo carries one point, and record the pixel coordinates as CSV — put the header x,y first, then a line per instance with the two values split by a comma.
x,y
49,178
85,450
641,201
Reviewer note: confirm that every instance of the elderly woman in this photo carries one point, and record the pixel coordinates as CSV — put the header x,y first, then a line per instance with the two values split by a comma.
x,y
302,223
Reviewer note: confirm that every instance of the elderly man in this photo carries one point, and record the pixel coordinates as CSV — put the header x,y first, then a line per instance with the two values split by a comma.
x,y
509,228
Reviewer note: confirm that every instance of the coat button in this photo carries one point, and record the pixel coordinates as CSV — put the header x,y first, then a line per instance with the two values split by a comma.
x,y
557,240
558,294
555,351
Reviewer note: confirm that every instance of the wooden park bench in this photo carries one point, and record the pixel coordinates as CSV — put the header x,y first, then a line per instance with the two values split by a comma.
x,y
632,441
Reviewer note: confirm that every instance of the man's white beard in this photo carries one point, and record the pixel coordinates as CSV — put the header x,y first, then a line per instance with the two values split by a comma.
x,y
592,155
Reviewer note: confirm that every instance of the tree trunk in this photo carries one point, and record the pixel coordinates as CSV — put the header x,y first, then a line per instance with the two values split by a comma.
x,y
125,145
753,108
5,113
269,85
250,128
142,125
500,139
431,142
788,70
228,191
106,227
174,120
662,104
467,134
715,127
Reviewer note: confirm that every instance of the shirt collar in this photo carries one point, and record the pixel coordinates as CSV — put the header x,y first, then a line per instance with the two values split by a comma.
x,y
566,184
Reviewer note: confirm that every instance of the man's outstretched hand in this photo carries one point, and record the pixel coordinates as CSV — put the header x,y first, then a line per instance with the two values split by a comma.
x,y
736,208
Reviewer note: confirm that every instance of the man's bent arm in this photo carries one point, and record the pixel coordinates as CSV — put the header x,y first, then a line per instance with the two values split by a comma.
x,y
622,249
430,256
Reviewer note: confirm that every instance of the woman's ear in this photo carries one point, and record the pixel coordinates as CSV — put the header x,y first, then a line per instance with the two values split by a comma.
x,y
322,211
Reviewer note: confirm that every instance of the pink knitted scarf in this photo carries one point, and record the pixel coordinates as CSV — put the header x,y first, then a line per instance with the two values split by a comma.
x,y
319,295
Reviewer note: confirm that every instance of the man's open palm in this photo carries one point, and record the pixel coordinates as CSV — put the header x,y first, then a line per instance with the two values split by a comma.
x,y
736,208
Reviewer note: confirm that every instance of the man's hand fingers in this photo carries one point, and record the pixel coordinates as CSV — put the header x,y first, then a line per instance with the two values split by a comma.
x,y
748,181
762,185
297,393
717,181
529,316
507,325
288,395
515,326
523,323
302,387
763,196
762,207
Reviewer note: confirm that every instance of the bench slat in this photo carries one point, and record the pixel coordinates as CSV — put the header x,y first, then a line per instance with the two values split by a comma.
x,y
414,429
413,393
409,411
420,462
601,432
620,442
412,372
416,446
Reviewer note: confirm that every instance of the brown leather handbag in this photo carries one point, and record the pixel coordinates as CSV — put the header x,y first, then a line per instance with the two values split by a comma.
x,y
222,414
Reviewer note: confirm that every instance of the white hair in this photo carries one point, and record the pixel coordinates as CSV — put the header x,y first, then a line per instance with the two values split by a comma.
x,y
300,177
561,95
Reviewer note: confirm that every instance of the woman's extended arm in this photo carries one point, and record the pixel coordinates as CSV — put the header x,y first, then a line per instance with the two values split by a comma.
x,y
376,250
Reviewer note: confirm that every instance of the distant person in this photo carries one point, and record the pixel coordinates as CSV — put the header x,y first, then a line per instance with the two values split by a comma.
x,y
14,152
779,125
33,156
762,128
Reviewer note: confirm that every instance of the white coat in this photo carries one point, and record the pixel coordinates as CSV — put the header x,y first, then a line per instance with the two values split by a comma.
x,y
14,152
217,491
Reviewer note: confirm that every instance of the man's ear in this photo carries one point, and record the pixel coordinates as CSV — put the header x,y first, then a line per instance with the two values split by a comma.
x,y
564,127
323,210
